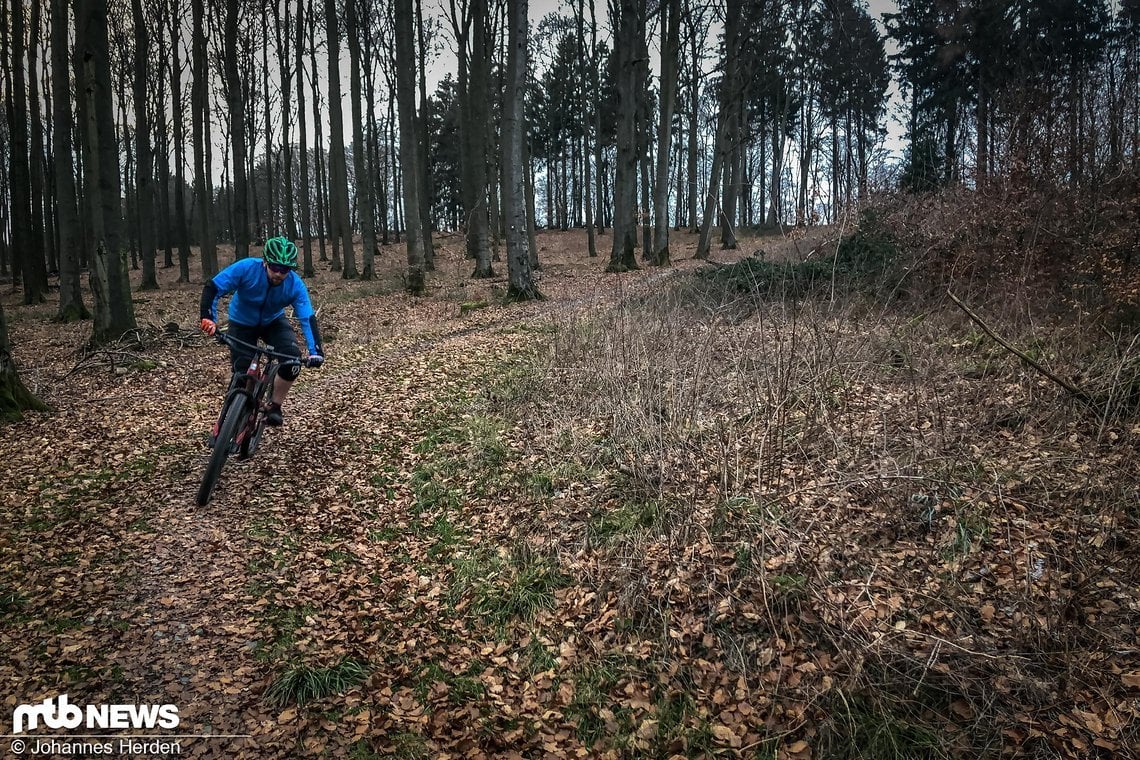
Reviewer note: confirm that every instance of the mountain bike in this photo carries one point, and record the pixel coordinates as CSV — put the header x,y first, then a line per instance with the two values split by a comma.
x,y
242,419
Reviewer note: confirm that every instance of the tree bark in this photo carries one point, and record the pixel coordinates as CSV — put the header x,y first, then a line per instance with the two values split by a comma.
x,y
235,98
694,84
15,399
599,165
35,273
406,94
287,114
114,310
519,272
324,217
303,137
584,79
669,52
24,234
145,170
630,25
203,150
71,305
338,167
181,229
365,205
424,151
474,113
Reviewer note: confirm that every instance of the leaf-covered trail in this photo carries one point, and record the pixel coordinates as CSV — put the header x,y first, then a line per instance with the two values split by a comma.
x,y
691,526
117,589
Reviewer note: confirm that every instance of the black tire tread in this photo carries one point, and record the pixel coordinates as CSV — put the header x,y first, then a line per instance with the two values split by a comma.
x,y
235,416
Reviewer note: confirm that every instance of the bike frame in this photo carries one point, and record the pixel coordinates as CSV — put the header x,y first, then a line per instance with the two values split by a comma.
x,y
253,383
247,389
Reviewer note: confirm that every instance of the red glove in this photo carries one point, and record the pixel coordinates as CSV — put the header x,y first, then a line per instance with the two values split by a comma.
x,y
209,327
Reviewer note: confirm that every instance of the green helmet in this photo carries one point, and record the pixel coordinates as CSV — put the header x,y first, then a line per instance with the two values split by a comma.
x,y
280,250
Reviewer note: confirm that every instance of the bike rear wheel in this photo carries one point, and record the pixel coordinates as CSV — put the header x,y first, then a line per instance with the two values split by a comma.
x,y
234,418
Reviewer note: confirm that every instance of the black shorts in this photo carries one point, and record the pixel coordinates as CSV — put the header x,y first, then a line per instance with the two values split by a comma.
x,y
278,333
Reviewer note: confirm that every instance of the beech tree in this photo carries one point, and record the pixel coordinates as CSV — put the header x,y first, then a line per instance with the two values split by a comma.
x,y
15,399
365,205
71,305
338,168
144,183
409,143
28,256
630,72
520,272
114,310
236,86
470,23
670,48
203,150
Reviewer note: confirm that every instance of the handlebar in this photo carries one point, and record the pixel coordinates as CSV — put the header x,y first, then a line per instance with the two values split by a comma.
x,y
285,359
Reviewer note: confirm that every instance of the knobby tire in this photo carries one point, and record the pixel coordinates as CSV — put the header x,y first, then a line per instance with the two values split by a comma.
x,y
235,418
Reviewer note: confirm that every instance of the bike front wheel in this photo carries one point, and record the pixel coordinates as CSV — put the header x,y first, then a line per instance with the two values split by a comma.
x,y
231,424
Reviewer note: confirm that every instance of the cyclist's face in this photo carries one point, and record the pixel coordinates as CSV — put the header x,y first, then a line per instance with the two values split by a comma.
x,y
275,278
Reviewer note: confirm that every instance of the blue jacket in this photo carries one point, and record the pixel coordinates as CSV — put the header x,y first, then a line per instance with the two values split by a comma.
x,y
255,303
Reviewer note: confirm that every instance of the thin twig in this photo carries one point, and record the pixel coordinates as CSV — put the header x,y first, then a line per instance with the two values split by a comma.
x,y
1074,390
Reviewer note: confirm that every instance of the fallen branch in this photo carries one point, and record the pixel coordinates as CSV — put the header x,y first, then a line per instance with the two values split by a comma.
x,y
1072,389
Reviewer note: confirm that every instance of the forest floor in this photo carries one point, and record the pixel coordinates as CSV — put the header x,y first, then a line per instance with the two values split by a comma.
x,y
649,516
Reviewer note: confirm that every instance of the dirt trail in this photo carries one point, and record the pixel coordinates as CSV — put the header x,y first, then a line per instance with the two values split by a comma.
x,y
132,594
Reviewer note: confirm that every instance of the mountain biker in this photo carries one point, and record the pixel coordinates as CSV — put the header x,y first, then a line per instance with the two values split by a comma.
x,y
262,289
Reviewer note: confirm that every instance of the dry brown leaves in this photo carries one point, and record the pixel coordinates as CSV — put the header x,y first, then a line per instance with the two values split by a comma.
x,y
413,501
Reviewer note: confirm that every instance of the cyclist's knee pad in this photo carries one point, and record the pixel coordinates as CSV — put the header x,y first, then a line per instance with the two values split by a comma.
x,y
289,372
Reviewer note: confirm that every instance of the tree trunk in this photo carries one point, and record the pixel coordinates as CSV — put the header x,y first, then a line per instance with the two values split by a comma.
x,y
724,126
203,150
114,310
807,155
365,205
630,84
235,92
424,151
181,230
531,216
71,306
287,113
15,399
269,222
24,234
645,160
303,137
780,111
324,217
476,98
160,138
596,107
704,243
733,105
338,167
406,94
669,52
694,112
145,170
35,272
584,80
520,274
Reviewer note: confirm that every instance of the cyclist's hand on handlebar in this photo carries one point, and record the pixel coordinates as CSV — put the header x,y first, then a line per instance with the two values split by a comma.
x,y
209,326
314,360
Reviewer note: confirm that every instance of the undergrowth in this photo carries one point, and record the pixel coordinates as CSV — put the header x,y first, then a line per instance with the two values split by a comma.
x,y
826,492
